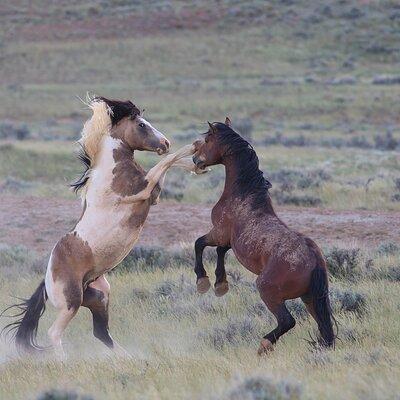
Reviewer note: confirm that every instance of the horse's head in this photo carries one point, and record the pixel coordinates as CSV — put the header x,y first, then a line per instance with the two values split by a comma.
x,y
209,150
129,126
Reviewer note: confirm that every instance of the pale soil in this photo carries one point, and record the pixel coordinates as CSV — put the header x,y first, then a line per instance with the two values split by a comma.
x,y
38,223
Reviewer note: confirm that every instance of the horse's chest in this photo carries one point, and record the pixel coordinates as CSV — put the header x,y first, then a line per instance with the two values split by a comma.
x,y
221,220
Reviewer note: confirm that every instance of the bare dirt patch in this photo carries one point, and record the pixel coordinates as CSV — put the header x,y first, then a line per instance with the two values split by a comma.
x,y
38,223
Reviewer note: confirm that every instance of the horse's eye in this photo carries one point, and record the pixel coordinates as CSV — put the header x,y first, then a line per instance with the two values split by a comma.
x,y
206,139
141,125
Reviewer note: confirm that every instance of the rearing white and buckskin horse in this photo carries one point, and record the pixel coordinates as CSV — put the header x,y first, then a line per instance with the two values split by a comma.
x,y
117,194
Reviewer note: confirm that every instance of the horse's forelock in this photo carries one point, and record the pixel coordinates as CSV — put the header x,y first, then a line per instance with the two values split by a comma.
x,y
119,109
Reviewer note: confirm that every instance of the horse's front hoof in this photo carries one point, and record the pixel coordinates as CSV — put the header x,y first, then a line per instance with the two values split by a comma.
x,y
265,347
221,288
203,284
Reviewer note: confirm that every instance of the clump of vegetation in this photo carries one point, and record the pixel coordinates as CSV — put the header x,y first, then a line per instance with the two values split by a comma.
x,y
343,263
348,300
11,130
19,259
244,127
386,141
297,199
297,308
233,332
153,257
288,179
56,394
265,388
391,273
13,185
388,248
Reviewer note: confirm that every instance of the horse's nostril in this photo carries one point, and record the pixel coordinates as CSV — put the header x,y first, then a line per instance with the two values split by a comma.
x,y
167,143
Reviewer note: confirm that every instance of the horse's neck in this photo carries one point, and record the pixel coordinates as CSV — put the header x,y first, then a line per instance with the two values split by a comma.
x,y
112,152
230,178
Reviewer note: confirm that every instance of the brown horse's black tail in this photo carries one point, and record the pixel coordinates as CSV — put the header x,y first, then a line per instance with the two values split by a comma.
x,y
25,328
322,307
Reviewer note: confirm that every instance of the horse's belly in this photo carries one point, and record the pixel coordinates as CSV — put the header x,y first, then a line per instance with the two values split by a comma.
x,y
110,236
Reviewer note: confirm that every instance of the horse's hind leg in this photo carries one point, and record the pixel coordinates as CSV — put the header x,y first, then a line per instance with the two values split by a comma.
x,y
221,286
67,298
285,323
96,299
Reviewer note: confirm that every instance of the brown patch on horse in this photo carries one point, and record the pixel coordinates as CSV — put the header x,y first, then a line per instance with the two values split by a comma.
x,y
71,259
137,219
128,175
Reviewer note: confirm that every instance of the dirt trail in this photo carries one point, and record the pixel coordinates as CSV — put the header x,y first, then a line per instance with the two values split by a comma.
x,y
39,222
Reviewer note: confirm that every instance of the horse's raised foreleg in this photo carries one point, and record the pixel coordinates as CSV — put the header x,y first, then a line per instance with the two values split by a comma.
x,y
221,286
187,164
202,282
158,172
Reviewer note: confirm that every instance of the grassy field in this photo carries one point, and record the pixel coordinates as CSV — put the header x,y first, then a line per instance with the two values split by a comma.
x,y
184,345
314,86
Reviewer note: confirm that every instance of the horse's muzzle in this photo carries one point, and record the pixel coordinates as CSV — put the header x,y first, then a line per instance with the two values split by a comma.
x,y
199,163
163,148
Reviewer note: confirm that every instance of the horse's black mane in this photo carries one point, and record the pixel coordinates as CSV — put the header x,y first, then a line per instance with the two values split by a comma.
x,y
84,158
120,109
250,179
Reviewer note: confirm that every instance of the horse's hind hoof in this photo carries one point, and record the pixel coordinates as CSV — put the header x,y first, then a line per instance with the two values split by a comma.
x,y
265,347
203,284
221,288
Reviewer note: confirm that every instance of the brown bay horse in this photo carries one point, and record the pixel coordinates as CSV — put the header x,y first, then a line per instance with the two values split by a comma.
x,y
117,194
288,264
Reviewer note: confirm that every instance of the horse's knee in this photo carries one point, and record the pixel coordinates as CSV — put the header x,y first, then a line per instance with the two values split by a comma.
x,y
289,322
200,244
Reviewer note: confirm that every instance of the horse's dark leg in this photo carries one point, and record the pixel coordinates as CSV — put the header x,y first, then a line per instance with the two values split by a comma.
x,y
285,323
203,282
221,284
97,302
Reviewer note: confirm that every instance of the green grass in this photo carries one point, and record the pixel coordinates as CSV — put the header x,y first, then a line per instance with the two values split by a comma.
x,y
355,178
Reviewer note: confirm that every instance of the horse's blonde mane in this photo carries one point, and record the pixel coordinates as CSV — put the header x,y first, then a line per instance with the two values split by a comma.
x,y
95,127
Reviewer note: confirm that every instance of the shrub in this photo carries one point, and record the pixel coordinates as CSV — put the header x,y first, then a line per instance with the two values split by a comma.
x,y
14,185
264,388
297,200
343,263
348,300
388,248
386,141
392,274
232,333
297,308
289,179
244,127
386,80
153,257
11,130
56,394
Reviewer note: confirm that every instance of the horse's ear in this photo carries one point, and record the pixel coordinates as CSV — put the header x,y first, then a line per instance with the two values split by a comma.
x,y
228,122
212,129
